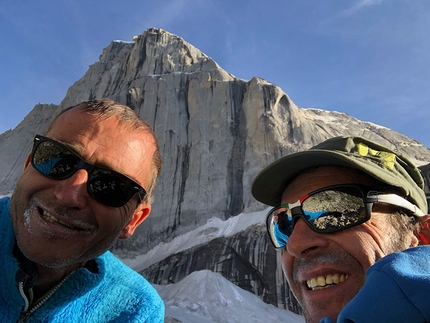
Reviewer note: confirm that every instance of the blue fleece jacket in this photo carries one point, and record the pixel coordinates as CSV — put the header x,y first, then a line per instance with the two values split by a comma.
x,y
115,293
397,289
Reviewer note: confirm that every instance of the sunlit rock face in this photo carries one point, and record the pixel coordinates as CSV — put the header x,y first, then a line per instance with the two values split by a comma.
x,y
215,132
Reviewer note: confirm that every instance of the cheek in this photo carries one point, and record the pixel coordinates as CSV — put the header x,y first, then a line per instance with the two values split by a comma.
x,y
112,219
287,266
371,243
31,181
24,189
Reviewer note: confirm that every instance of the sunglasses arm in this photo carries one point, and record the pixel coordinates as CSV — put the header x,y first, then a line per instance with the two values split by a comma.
x,y
393,199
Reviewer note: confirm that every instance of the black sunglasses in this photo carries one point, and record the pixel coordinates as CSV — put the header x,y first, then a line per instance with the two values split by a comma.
x,y
57,161
330,209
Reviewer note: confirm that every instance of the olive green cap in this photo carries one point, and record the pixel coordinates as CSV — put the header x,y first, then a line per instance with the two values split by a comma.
x,y
378,161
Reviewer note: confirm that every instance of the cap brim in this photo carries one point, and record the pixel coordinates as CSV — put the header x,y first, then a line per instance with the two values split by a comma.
x,y
270,183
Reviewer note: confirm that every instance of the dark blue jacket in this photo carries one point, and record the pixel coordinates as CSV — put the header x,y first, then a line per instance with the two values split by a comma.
x,y
397,289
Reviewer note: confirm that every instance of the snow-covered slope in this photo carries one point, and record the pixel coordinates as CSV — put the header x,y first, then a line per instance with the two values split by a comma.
x,y
205,296
214,228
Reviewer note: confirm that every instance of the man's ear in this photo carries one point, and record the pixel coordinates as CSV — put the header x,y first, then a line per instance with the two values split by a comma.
x,y
424,235
140,214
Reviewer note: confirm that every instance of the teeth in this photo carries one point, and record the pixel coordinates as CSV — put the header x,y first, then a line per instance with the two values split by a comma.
x,y
50,218
336,278
321,281
326,281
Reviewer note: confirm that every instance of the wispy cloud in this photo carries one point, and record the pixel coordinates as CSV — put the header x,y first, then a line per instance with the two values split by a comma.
x,y
359,6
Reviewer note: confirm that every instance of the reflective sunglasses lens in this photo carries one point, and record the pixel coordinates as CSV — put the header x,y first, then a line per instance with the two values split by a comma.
x,y
53,160
279,226
324,211
110,188
333,210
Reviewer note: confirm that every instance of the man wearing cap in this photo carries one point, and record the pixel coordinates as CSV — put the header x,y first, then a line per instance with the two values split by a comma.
x,y
339,209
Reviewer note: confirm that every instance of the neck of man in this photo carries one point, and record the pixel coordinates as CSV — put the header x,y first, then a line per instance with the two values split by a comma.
x,y
39,278
49,278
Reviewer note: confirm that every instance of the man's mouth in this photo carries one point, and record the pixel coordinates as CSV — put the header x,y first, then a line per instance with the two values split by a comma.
x,y
321,282
48,217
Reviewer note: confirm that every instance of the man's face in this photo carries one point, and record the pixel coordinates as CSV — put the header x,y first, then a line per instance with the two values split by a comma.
x,y
322,259
57,223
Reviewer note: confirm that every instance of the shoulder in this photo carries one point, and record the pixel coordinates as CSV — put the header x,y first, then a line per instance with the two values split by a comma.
x,y
141,302
4,205
5,219
396,290
116,271
410,263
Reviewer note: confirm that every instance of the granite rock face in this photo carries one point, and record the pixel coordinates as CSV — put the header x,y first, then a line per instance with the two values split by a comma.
x,y
216,132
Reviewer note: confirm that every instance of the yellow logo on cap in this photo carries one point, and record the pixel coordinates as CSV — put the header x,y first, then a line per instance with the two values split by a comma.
x,y
388,158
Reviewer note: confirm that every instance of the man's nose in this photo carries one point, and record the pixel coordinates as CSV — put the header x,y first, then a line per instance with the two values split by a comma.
x,y
303,240
72,191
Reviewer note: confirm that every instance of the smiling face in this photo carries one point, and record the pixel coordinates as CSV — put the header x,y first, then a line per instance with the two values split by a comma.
x,y
56,222
325,271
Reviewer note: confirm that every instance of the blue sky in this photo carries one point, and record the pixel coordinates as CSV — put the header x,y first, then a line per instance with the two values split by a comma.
x,y
368,58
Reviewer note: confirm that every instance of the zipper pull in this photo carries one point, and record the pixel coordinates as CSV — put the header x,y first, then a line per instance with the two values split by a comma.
x,y
21,279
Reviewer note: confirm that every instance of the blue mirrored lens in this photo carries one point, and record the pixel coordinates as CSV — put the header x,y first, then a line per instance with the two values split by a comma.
x,y
324,211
